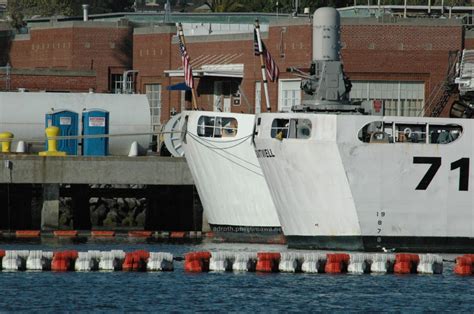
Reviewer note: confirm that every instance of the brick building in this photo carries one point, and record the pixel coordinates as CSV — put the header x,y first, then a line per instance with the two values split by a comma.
x,y
401,62
70,56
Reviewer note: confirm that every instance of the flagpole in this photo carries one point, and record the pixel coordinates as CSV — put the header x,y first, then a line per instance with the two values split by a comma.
x,y
181,36
262,66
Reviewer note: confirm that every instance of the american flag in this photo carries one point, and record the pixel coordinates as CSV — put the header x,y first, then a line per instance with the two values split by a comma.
x,y
270,65
188,70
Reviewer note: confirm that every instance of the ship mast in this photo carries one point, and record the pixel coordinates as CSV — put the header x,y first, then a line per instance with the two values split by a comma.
x,y
262,66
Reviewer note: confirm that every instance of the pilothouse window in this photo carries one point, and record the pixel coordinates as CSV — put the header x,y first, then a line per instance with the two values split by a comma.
x,y
443,134
291,128
403,132
217,126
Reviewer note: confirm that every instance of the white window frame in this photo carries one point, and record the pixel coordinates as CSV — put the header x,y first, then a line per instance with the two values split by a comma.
x,y
296,101
153,93
118,84
398,98
219,129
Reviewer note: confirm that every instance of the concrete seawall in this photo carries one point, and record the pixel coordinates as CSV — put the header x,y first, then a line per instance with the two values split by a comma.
x,y
150,170
34,191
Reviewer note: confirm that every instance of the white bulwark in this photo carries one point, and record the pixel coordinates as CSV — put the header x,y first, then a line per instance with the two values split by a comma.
x,y
370,182
226,172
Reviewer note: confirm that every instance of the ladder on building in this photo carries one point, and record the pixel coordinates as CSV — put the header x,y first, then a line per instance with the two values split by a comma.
x,y
442,92
465,80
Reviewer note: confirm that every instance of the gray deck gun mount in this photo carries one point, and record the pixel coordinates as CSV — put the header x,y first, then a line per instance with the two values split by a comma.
x,y
326,89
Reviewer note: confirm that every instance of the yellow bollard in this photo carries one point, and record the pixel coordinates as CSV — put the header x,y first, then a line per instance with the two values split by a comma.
x,y
6,140
52,131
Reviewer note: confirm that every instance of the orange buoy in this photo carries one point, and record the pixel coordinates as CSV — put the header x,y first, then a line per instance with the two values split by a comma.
x,y
336,263
406,263
102,234
194,266
139,234
64,261
65,233
135,261
463,265
72,254
470,256
128,262
197,262
177,234
268,262
28,233
60,264
142,254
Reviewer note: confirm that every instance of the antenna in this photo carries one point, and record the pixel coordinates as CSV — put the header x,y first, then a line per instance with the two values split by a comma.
x,y
167,11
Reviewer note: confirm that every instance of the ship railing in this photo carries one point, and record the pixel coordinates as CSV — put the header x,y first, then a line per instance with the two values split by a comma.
x,y
79,137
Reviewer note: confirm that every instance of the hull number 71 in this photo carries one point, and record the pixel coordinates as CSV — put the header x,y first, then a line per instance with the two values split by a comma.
x,y
435,162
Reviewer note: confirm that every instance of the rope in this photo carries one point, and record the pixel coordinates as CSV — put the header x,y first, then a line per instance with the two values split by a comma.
x,y
224,150
211,140
72,137
240,141
206,142
239,165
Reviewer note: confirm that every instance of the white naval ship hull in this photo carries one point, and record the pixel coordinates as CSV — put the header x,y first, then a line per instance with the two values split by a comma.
x,y
230,183
402,192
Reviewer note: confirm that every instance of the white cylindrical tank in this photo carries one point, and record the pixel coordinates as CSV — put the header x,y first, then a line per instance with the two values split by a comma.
x,y
326,24
23,114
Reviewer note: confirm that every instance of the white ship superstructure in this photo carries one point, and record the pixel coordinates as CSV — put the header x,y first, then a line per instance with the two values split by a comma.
x,y
231,186
341,179
368,182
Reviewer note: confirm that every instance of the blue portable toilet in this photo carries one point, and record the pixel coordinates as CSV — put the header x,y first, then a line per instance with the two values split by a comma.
x,y
95,122
68,124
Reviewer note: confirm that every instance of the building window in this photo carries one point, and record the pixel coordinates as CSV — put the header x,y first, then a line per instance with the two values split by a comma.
x,y
400,98
289,92
116,83
153,92
226,93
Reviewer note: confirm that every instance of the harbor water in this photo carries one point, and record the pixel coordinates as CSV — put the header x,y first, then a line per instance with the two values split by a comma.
x,y
228,291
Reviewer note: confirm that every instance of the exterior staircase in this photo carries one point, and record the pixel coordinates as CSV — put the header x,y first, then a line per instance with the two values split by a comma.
x,y
443,92
465,80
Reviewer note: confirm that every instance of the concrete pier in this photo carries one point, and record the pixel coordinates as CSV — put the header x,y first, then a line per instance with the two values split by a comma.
x,y
151,170
80,200
165,183
15,206
50,209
